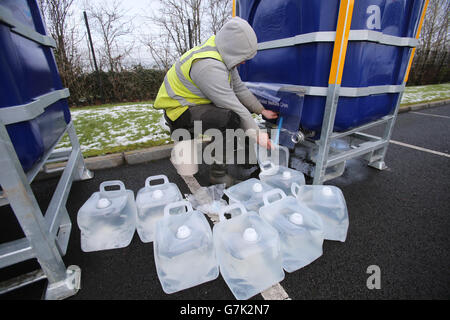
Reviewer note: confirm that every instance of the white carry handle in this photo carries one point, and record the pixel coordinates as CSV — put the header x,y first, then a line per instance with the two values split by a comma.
x,y
295,188
229,208
272,193
267,166
286,152
110,184
178,204
158,177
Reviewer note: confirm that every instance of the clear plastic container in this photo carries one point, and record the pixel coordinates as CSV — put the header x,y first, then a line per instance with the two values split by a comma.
x,y
280,176
249,193
183,249
150,202
107,220
248,252
278,155
300,229
329,203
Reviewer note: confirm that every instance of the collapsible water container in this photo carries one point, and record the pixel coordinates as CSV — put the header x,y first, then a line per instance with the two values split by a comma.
x,y
150,202
300,229
29,77
329,203
249,193
296,39
107,220
278,154
280,176
248,252
183,249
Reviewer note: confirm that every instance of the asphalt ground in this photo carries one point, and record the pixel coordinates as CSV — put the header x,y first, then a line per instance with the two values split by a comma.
x,y
399,221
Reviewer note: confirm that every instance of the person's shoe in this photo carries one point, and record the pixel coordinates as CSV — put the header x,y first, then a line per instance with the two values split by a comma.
x,y
255,173
246,172
218,175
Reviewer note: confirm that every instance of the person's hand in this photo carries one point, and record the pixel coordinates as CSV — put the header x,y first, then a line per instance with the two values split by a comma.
x,y
269,114
264,141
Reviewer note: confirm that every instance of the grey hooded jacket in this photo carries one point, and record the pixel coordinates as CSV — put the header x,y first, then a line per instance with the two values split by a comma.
x,y
236,42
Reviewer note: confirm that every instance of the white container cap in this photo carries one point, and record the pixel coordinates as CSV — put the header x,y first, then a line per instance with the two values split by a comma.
x,y
286,175
250,235
257,187
157,194
183,232
296,218
103,203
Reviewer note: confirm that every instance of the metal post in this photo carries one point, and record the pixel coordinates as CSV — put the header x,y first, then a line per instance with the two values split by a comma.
x,y
380,163
62,282
190,34
337,66
21,198
46,237
82,173
327,130
99,80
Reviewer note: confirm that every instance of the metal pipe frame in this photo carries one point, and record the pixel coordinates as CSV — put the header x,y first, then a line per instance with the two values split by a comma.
x,y
7,17
337,66
375,148
46,236
330,36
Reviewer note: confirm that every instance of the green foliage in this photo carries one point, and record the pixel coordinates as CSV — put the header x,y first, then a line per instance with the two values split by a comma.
x,y
135,84
115,128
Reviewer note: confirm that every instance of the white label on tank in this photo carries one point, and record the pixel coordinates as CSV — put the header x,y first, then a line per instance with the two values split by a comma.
x,y
374,20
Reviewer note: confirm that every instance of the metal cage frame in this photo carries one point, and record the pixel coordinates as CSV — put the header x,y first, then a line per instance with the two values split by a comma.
x,y
46,236
318,158
373,148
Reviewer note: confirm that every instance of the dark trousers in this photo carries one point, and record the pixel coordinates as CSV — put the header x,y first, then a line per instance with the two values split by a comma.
x,y
212,117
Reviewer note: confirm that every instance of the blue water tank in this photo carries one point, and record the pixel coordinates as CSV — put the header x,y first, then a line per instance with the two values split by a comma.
x,y
369,62
27,72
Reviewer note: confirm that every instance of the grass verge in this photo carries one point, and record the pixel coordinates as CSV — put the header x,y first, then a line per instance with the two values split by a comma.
x,y
121,127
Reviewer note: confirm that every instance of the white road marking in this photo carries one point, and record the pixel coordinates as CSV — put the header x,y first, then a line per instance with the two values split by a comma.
x,y
193,186
442,154
192,183
275,292
431,115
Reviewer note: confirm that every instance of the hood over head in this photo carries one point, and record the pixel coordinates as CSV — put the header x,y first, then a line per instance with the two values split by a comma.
x,y
236,42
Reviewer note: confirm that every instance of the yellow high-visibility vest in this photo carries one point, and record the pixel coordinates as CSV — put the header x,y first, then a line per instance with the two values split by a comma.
x,y
178,92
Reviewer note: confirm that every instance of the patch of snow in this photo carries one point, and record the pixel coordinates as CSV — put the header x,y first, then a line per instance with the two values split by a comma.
x,y
129,131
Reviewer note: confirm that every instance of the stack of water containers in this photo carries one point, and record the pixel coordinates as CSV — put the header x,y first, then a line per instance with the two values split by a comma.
x,y
272,224
182,239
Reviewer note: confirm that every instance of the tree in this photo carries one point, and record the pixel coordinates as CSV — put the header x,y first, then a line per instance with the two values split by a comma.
x,y
205,17
161,50
431,60
58,17
219,11
112,24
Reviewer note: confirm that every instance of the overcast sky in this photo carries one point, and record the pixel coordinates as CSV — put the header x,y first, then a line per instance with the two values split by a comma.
x,y
138,9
